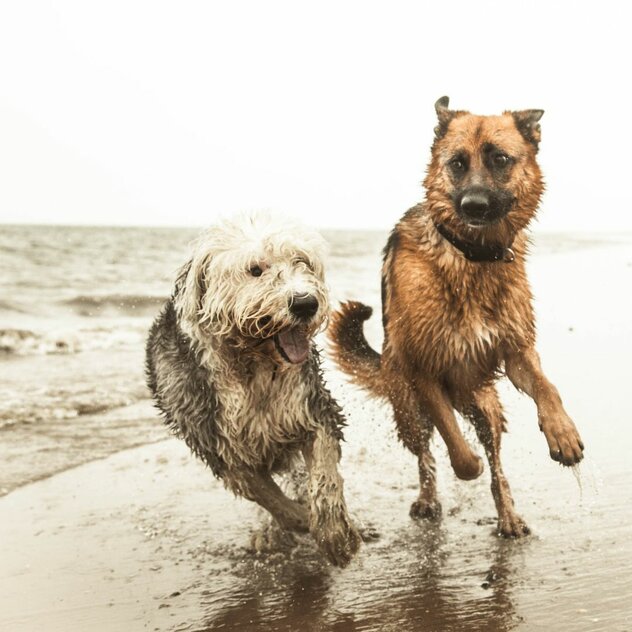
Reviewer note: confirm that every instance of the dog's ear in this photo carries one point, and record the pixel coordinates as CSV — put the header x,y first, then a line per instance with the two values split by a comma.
x,y
181,279
444,114
527,124
190,287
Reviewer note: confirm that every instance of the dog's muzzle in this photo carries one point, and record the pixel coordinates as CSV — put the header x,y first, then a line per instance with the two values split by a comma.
x,y
293,343
479,206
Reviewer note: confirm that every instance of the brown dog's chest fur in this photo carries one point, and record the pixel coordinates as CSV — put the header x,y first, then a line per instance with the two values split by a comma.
x,y
447,316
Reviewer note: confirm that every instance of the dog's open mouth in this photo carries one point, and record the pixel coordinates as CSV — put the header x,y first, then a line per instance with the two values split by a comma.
x,y
293,344
477,223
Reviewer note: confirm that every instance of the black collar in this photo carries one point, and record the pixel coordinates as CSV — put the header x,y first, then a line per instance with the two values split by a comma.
x,y
478,252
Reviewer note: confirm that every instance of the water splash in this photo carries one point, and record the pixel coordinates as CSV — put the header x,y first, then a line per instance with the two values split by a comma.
x,y
578,477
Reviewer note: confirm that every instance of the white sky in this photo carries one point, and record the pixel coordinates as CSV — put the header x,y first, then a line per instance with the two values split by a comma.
x,y
174,112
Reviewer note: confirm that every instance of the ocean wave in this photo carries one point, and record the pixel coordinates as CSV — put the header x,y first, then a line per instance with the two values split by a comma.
x,y
122,304
23,342
58,405
7,306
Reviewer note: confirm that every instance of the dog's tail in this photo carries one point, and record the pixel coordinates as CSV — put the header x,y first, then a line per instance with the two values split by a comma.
x,y
350,349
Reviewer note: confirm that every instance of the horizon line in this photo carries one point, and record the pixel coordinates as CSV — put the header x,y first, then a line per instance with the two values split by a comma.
x,y
328,228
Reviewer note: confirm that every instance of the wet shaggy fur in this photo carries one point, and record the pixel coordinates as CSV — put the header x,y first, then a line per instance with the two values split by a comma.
x,y
453,325
244,399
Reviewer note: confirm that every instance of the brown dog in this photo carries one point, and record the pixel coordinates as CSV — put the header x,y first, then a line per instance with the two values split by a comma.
x,y
457,306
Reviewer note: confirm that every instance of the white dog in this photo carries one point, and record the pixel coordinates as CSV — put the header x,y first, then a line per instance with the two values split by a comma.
x,y
232,365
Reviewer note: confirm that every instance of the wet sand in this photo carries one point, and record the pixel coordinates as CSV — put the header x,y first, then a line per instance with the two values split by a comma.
x,y
146,539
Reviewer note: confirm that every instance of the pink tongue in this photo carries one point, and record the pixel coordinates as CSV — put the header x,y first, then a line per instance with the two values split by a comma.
x,y
295,344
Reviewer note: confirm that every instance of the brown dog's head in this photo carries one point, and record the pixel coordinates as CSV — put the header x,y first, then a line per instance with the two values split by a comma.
x,y
483,177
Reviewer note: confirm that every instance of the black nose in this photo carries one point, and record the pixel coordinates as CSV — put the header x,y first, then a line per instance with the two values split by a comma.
x,y
304,306
475,204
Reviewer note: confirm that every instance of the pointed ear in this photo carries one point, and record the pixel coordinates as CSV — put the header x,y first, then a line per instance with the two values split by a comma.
x,y
527,123
444,115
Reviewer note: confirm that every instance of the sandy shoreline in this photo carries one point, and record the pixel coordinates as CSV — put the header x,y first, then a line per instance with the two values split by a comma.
x,y
146,539
97,535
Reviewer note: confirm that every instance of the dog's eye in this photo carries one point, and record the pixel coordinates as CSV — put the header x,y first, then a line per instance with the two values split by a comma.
x,y
256,271
501,160
458,165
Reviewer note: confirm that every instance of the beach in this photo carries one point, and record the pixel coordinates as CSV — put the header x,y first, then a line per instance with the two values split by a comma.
x,y
107,523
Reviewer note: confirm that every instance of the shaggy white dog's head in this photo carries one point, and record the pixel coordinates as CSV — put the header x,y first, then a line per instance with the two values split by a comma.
x,y
256,280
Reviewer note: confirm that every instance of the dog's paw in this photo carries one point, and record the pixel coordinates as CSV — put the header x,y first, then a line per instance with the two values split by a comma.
x,y
511,525
342,546
565,444
270,538
369,533
467,467
339,540
425,510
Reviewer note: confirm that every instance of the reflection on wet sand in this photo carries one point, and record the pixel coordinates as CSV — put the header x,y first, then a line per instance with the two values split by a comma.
x,y
296,600
416,590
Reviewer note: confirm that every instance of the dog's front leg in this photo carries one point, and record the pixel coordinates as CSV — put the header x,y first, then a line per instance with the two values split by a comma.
x,y
329,521
524,370
434,401
259,486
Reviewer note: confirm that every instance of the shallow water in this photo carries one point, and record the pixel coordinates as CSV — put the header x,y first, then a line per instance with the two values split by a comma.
x,y
147,539
75,307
